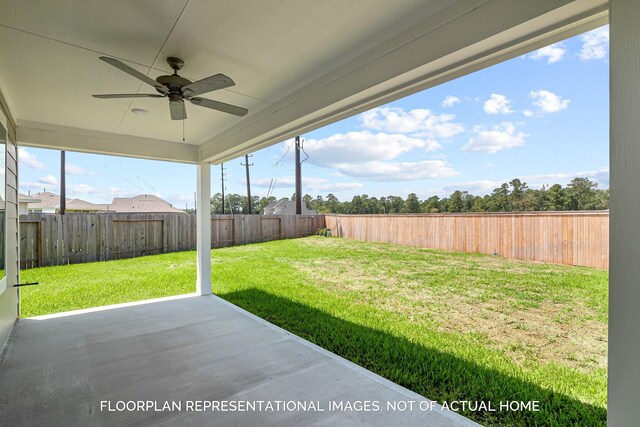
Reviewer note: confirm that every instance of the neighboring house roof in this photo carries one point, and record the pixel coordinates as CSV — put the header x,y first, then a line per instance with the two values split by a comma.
x,y
142,203
23,198
273,204
83,205
47,201
285,206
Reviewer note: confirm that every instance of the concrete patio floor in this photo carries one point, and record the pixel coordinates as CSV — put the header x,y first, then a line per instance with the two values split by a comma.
x,y
65,369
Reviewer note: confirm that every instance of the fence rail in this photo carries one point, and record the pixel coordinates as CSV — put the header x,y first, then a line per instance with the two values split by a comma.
x,y
52,239
571,238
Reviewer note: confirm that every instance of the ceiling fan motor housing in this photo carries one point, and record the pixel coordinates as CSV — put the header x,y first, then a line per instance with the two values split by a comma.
x,y
174,83
176,97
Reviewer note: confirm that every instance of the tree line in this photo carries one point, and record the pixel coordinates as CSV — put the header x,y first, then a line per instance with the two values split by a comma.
x,y
514,196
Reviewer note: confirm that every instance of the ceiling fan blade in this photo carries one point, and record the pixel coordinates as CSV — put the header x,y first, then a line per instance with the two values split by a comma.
x,y
135,73
177,110
220,106
129,95
211,83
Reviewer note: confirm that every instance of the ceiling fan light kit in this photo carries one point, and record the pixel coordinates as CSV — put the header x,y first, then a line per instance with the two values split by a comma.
x,y
177,89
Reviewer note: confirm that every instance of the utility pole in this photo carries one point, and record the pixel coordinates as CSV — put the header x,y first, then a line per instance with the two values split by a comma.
x,y
63,187
222,179
247,165
298,178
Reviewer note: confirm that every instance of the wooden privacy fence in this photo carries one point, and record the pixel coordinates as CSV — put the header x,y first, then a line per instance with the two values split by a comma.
x,y
572,238
52,239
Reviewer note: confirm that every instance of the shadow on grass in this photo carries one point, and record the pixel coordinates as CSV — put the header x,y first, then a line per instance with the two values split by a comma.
x,y
427,371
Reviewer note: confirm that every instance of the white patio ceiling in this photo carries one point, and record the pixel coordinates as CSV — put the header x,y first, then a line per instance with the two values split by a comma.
x,y
297,64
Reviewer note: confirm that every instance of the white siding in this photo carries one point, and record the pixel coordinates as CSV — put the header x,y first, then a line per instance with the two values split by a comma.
x,y
9,298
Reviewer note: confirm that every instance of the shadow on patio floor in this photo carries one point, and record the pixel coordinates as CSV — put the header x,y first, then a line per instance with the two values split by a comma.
x,y
427,371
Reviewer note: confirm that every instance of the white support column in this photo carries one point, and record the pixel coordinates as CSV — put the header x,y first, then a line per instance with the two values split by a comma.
x,y
624,260
203,241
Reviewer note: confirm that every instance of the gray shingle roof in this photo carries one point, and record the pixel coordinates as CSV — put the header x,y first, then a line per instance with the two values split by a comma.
x,y
285,206
142,203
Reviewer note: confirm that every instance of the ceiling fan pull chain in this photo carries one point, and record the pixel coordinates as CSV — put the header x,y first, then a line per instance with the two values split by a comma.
x,y
183,130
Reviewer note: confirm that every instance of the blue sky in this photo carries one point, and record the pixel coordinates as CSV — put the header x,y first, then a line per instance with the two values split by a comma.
x,y
541,117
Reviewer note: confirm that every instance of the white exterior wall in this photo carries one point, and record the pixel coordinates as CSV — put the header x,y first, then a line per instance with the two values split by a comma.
x,y
8,294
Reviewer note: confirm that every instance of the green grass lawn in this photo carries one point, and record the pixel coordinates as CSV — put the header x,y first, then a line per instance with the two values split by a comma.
x,y
449,326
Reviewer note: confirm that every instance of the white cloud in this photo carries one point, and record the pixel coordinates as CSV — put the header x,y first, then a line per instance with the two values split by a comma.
x,y
179,198
337,187
36,186
527,113
180,201
450,101
72,169
552,53
595,44
489,164
99,194
281,182
498,137
321,184
309,184
427,192
475,187
49,180
548,102
108,193
26,158
367,155
363,146
423,121
599,175
497,104
81,189
398,171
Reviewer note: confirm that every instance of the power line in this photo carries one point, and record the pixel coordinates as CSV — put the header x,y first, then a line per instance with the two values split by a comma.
x,y
283,156
133,183
305,153
146,183
274,181
276,173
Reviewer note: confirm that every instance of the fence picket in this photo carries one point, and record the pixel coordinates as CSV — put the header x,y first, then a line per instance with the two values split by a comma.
x,y
52,239
573,238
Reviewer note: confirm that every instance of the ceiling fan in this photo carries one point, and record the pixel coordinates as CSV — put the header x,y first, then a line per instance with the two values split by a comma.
x,y
177,89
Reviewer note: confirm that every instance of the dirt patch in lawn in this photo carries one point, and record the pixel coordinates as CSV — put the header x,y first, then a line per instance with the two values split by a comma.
x,y
542,331
550,333
343,275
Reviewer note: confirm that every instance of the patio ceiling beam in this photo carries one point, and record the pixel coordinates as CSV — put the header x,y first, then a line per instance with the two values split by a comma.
x,y
42,135
452,43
